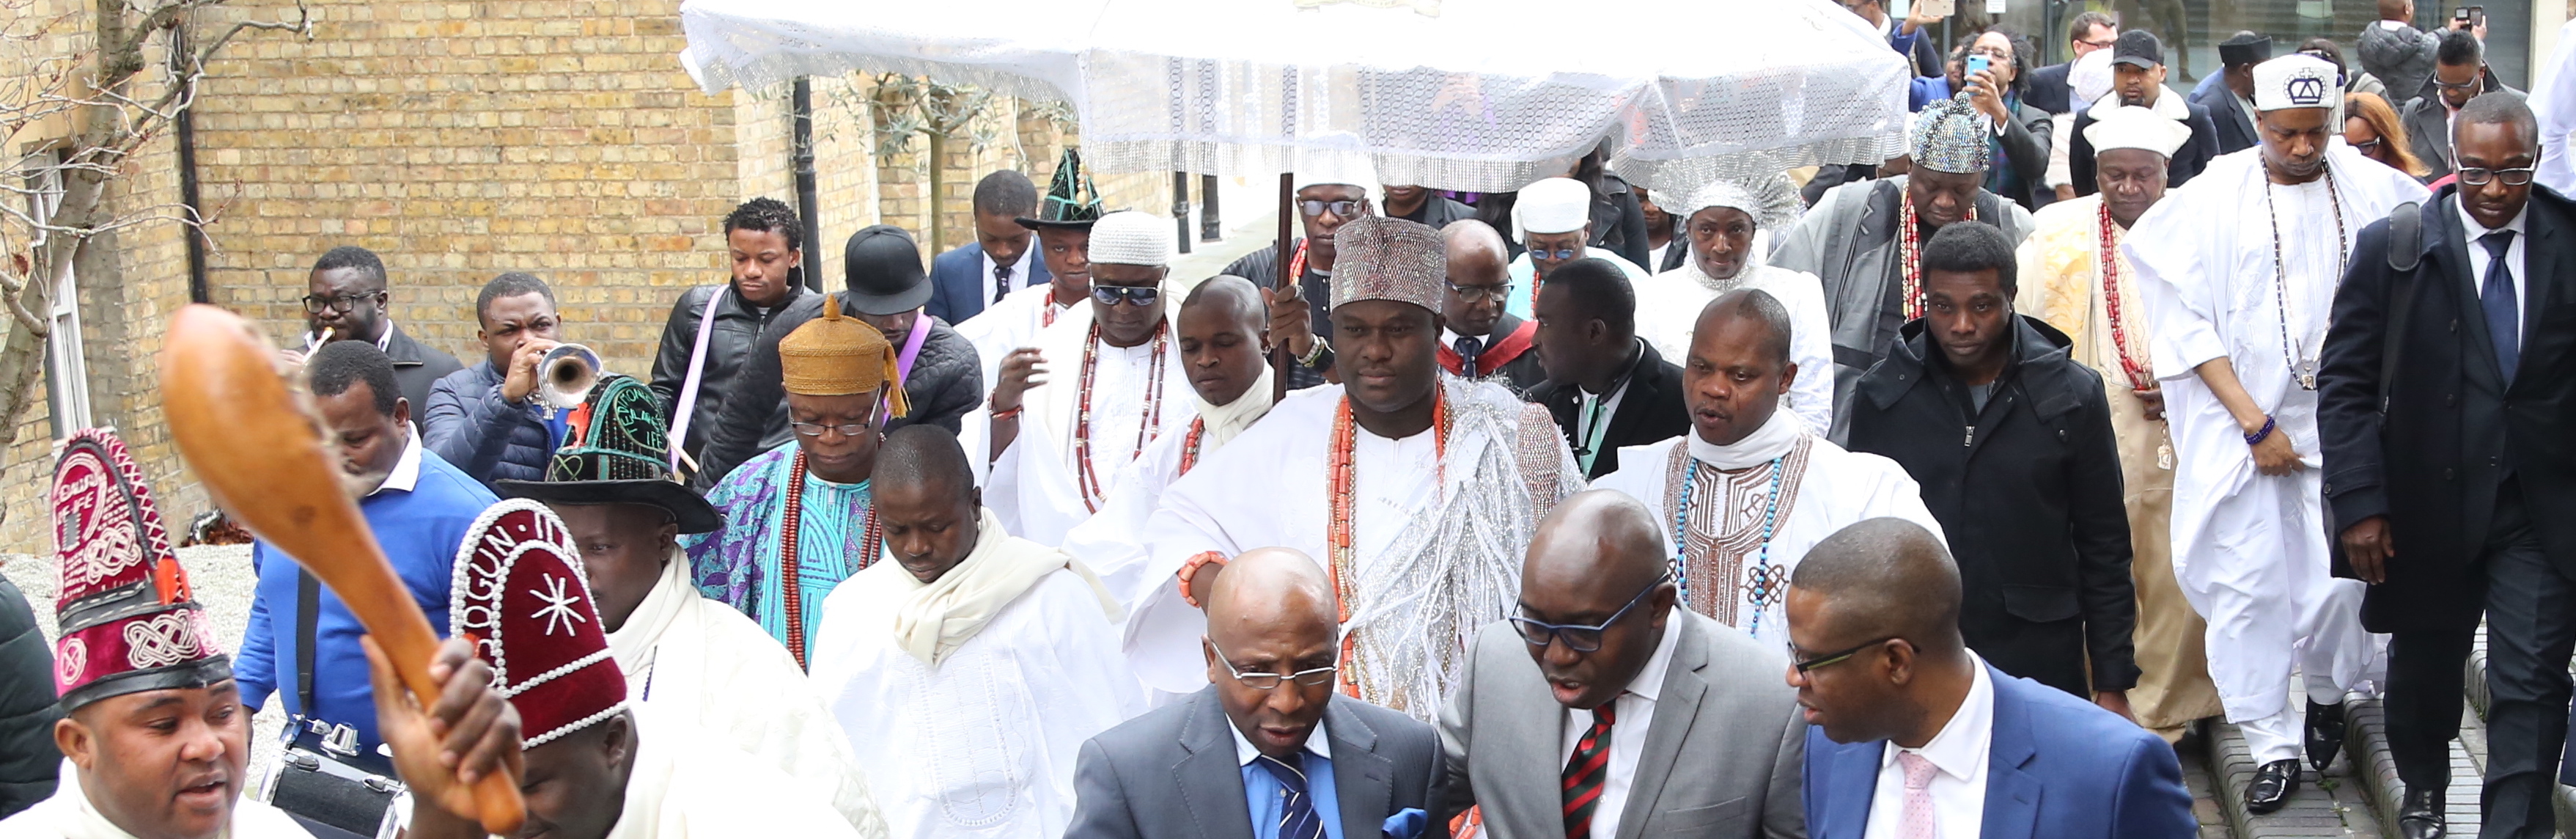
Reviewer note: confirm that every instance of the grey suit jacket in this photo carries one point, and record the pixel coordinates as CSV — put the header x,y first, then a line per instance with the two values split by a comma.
x,y
1723,754
1172,773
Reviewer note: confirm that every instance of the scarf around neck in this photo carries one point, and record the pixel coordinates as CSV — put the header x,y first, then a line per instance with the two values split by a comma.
x,y
935,619
1776,436
633,642
1225,421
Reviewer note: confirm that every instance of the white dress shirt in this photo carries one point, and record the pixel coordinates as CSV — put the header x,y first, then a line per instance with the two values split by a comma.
x,y
1020,278
1960,751
1633,712
1245,752
2513,259
406,473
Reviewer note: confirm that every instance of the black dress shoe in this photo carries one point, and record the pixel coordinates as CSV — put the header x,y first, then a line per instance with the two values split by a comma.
x,y
2273,785
2421,816
2325,733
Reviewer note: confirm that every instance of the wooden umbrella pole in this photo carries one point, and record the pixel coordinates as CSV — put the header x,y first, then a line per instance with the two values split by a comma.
x,y
259,453
1279,359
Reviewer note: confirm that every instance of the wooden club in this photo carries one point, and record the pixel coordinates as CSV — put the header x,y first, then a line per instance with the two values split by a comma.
x,y
259,453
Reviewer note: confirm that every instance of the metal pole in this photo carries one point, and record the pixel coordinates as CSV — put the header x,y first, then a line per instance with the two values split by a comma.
x,y
1279,359
1181,208
801,106
1209,228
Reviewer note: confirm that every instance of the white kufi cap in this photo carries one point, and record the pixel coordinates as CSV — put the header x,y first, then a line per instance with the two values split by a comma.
x,y
1129,237
2133,127
1552,205
2296,81
1342,168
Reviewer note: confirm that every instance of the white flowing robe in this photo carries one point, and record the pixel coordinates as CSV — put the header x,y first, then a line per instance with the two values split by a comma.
x,y
984,744
2250,549
1014,323
1036,485
1829,489
1437,539
68,814
689,784
696,660
1668,308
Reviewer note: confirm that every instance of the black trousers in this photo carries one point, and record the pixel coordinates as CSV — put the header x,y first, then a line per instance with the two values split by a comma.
x,y
2531,631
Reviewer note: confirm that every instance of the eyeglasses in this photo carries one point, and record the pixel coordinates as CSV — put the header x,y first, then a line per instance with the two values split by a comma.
x,y
2367,146
1805,665
1142,295
1581,639
1341,209
1267,681
341,303
1559,255
2511,177
1473,293
2438,82
815,429
2100,45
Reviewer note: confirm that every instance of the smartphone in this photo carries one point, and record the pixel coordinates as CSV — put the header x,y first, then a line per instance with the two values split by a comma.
x,y
2477,16
1937,8
1976,64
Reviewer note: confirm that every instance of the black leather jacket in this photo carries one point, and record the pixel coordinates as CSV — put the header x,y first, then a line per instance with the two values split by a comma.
x,y
738,326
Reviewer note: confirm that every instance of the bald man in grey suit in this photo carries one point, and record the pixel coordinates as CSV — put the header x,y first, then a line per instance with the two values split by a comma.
x,y
1269,750
1602,701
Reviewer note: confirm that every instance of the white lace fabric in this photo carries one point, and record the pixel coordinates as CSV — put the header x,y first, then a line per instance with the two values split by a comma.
x,y
1483,96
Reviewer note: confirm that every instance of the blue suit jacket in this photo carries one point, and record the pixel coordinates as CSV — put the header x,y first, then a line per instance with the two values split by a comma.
x,y
959,288
2059,768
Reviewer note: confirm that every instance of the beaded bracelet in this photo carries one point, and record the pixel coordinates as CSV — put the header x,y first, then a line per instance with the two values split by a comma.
x,y
1011,414
1191,569
2259,434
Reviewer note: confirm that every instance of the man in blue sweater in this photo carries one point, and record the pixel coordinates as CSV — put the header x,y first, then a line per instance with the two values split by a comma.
x,y
420,509
488,419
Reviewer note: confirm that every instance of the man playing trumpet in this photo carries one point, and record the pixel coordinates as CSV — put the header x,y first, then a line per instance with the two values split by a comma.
x,y
491,419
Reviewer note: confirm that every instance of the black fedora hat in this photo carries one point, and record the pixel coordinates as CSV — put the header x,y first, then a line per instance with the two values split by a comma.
x,y
616,453
1071,201
881,268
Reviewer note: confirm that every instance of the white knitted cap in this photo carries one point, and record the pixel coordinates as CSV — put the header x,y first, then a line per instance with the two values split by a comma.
x,y
1128,237
1552,205
2133,127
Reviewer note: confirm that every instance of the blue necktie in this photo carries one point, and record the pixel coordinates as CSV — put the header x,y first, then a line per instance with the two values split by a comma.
x,y
1468,347
2497,298
1297,812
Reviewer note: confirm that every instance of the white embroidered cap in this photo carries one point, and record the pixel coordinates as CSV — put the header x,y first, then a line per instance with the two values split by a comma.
x,y
1552,205
2296,81
1128,237
2133,127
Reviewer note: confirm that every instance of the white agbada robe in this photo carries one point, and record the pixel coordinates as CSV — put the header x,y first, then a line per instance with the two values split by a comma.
x,y
697,660
1437,541
68,814
1036,485
1668,308
1112,542
1014,323
689,784
983,744
2250,550
1821,488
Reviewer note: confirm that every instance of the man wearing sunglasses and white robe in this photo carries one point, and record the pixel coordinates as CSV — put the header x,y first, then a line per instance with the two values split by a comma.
x,y
1066,415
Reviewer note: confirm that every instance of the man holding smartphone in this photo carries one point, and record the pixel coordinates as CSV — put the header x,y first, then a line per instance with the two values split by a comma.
x,y
2401,55
2459,74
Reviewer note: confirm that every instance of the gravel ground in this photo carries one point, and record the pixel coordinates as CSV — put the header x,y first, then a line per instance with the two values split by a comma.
x,y
222,578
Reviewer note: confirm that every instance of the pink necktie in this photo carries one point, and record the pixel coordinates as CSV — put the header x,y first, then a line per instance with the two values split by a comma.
x,y
1919,822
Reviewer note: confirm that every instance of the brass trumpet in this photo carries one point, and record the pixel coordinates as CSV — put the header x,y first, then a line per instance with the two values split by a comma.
x,y
566,375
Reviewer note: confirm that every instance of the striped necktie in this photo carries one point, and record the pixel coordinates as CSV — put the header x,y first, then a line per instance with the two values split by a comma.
x,y
1585,771
1296,810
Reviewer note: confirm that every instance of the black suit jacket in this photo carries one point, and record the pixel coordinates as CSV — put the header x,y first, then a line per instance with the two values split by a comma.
x,y
2452,429
1172,773
1652,409
2049,90
417,366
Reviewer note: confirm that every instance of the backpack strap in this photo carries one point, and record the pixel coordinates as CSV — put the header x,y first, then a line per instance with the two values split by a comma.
x,y
2405,253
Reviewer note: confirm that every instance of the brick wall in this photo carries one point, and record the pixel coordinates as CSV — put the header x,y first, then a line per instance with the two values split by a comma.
x,y
462,139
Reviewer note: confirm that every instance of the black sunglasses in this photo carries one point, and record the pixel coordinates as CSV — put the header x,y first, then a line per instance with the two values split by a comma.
x,y
1109,295
1581,639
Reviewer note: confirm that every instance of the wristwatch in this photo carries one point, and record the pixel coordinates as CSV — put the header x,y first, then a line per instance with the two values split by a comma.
x,y
1319,357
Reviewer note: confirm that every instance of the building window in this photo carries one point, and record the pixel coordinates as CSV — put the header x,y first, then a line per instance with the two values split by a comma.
x,y
66,366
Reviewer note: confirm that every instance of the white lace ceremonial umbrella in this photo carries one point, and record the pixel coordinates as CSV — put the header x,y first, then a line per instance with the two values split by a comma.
x,y
1480,95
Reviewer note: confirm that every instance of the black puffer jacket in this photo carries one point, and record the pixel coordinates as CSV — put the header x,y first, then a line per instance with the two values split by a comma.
x,y
2028,492
28,761
738,327
946,382
470,426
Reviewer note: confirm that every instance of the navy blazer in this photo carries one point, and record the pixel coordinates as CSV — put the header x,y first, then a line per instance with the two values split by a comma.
x,y
959,288
2059,767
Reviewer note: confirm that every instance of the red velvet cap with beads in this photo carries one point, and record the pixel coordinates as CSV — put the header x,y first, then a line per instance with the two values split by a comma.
x,y
520,594
129,622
